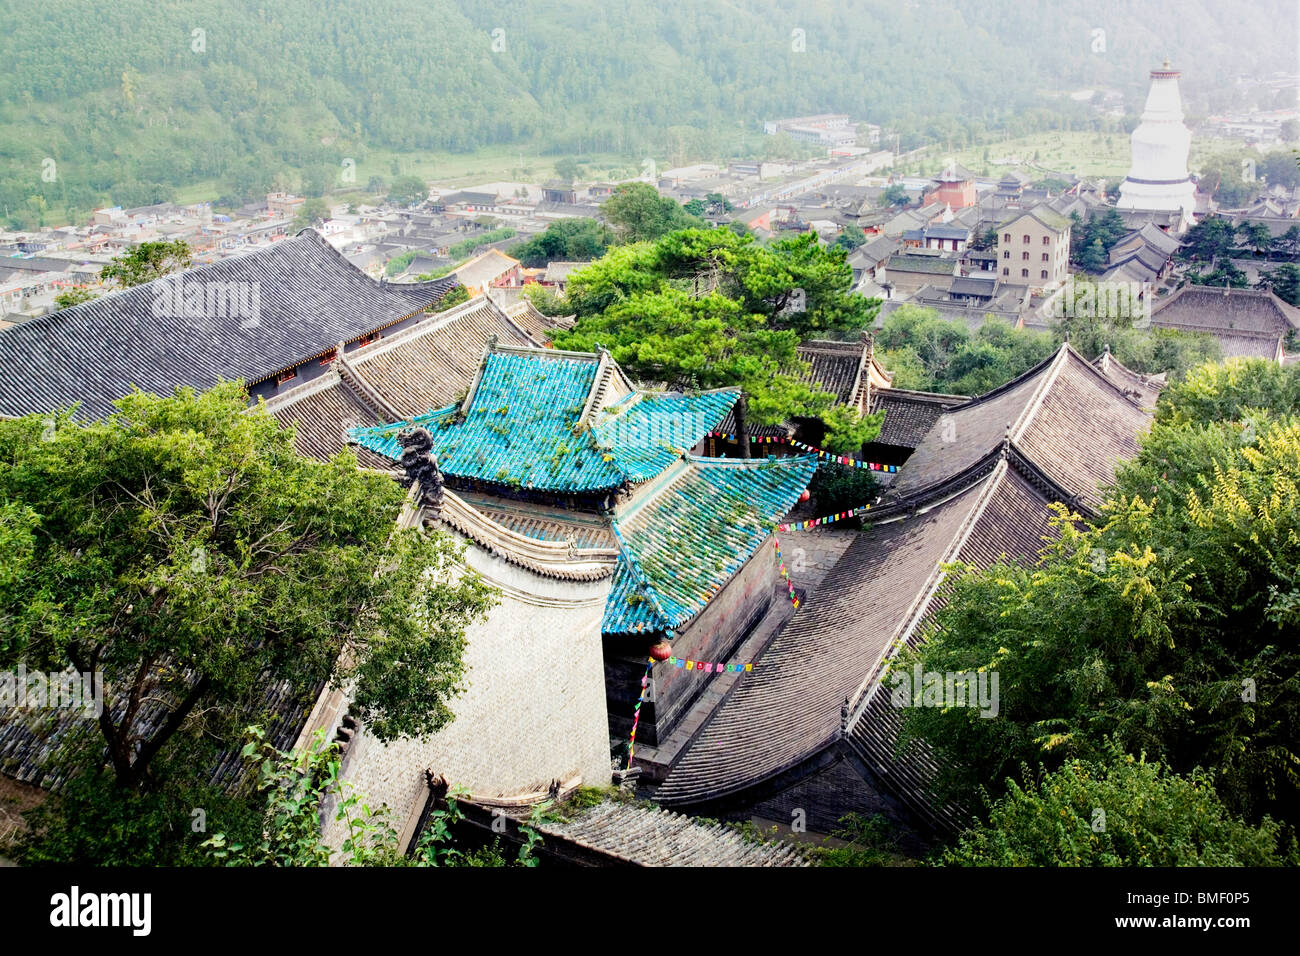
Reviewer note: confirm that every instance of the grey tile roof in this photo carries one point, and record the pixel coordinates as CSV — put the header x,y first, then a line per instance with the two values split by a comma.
x,y
837,367
484,268
909,416
788,709
309,299
1221,311
650,836
1066,415
970,496
930,265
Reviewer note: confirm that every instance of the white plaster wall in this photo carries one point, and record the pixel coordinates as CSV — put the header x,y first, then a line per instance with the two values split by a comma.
x,y
534,709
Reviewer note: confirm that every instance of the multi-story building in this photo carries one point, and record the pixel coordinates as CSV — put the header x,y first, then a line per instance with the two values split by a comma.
x,y
1034,248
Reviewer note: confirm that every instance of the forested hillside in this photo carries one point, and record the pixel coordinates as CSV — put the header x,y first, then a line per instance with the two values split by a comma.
x,y
133,98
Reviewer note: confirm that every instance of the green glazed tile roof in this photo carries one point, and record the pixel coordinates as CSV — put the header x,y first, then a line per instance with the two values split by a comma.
x,y
681,547
520,429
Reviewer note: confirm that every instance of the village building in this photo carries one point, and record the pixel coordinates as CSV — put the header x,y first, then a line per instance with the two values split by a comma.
x,y
559,447
954,186
557,274
489,270
943,237
907,272
970,300
1143,255
868,264
1034,248
584,507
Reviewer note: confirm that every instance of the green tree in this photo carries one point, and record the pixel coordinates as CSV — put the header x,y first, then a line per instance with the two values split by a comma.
x,y
294,787
1281,168
1169,627
1105,226
312,212
717,204
1222,178
397,265
546,300
838,488
1208,240
1256,236
639,213
1052,184
39,208
407,191
574,239
1284,281
74,296
567,169
894,195
148,261
455,296
1288,244
1092,257
850,237
988,239
1123,812
184,549
706,308
1225,273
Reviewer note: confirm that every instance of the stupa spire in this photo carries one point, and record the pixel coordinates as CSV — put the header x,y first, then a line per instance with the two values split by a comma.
x,y
1158,179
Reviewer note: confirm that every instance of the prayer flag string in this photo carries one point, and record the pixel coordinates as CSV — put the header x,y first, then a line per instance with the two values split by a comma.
x,y
817,522
784,573
704,667
846,460
636,714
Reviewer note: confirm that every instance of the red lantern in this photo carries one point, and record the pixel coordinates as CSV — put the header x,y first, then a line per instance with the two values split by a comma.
x,y
661,651
804,495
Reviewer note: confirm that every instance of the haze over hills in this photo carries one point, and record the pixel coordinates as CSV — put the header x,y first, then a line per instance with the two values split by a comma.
x,y
131,102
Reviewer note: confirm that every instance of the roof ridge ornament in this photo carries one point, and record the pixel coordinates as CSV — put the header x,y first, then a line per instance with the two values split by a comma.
x,y
421,467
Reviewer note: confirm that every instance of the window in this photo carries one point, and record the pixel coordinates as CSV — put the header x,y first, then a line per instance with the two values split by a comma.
x,y
1006,237
1046,257
1024,273
1047,240
1006,254
366,340
1026,238
1044,274
1006,271
286,376
1025,256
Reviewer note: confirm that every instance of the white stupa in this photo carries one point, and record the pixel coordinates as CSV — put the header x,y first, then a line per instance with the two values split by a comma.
x,y
1158,178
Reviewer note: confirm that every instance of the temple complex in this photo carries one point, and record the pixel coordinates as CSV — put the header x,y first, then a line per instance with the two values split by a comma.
x,y
625,537
811,728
